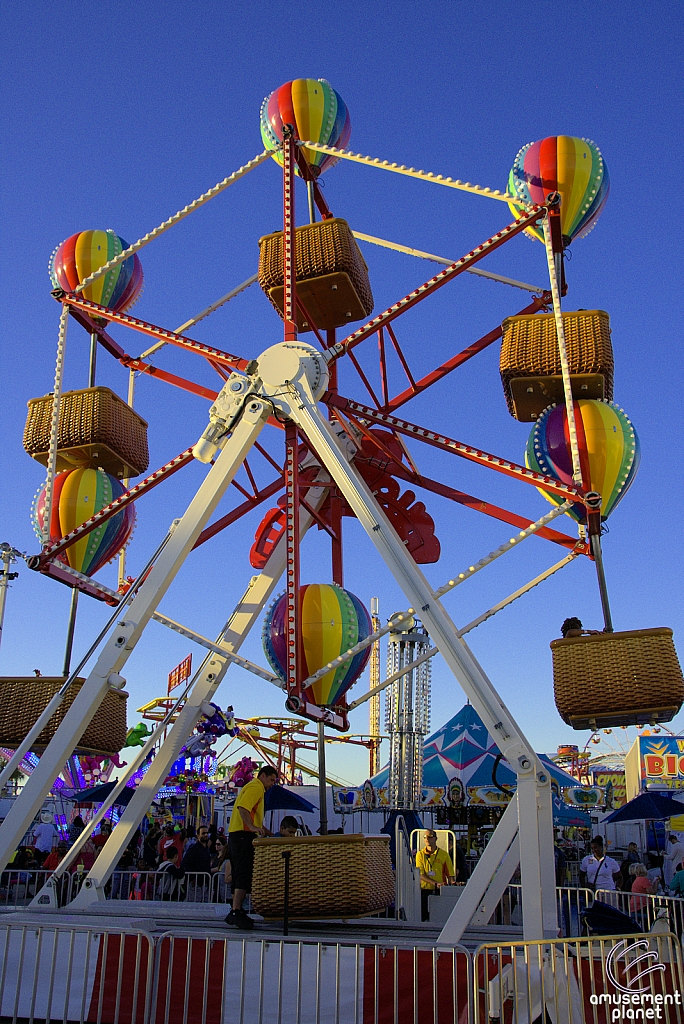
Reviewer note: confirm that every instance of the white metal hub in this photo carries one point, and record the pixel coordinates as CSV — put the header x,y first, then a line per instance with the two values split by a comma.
x,y
293,362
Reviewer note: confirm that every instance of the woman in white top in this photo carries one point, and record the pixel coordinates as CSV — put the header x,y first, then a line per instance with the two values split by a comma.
x,y
599,871
673,857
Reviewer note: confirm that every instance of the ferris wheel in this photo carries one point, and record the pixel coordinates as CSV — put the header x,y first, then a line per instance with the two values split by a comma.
x,y
279,425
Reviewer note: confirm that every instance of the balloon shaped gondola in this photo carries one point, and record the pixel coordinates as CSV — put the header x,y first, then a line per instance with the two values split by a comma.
x,y
332,621
570,166
315,111
78,494
84,253
608,446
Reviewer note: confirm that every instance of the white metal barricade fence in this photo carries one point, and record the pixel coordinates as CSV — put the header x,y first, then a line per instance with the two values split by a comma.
x,y
569,901
75,974
579,981
646,909
194,887
85,975
18,887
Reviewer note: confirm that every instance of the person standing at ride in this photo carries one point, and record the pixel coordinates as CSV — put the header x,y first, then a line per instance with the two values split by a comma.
x,y
674,857
246,822
435,868
632,857
599,871
44,836
169,838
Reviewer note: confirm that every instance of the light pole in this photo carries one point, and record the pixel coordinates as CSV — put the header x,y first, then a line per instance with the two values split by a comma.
x,y
8,555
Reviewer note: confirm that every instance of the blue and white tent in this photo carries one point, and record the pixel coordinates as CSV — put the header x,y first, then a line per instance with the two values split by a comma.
x,y
463,750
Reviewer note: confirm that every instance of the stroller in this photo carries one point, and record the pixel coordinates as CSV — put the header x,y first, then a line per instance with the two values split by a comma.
x,y
602,919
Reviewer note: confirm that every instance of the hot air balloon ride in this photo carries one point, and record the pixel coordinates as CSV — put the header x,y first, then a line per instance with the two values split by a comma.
x,y
78,494
316,112
572,167
332,621
332,281
608,447
85,252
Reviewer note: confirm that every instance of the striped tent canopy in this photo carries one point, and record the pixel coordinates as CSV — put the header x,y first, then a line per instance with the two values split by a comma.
x,y
463,749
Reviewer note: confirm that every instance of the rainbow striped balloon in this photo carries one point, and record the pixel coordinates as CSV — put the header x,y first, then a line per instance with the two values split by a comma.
x,y
567,165
78,495
315,111
332,621
608,446
84,253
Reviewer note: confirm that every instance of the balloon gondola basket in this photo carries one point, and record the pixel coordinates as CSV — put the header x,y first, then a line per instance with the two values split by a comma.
x,y
332,276
330,876
614,679
22,699
96,429
530,363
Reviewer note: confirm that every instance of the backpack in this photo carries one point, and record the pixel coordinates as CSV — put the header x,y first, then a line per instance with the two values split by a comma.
x,y
167,884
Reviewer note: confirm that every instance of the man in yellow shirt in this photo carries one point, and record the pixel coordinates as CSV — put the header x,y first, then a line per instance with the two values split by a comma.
x,y
246,822
435,868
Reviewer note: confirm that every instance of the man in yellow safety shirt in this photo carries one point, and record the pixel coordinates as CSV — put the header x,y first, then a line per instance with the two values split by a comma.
x,y
435,868
246,822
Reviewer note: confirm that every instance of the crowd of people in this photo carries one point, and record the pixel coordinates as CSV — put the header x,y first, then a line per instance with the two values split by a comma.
x,y
642,874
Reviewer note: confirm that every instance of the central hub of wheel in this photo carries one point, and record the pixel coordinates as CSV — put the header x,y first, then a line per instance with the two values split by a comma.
x,y
293,362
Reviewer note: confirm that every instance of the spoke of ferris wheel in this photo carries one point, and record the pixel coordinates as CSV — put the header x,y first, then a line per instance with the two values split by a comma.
x,y
409,251
191,634
411,172
205,313
180,215
400,617
430,653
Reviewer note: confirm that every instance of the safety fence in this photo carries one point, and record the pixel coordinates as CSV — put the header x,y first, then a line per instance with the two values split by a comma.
x,y
82,974
646,910
18,888
569,901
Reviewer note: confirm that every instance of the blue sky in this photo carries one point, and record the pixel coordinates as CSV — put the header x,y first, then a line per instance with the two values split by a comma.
x,y
116,115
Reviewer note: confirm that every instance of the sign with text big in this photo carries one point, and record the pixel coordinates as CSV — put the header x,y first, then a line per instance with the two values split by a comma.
x,y
654,762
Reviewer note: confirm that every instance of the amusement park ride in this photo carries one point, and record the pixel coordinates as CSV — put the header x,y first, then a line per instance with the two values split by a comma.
x,y
342,457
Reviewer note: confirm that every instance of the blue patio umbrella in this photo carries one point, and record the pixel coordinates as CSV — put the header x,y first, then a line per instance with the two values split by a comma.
x,y
280,799
647,807
98,794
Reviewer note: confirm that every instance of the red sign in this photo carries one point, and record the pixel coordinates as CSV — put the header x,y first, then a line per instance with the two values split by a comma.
x,y
180,673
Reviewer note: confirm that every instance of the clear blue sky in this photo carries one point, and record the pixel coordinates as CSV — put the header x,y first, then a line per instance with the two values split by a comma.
x,y
115,115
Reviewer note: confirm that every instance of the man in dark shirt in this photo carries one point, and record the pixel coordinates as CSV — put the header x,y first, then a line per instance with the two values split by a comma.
x,y
196,862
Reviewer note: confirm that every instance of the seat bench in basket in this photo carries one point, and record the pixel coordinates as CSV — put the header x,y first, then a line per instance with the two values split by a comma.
x,y
332,276
614,679
23,698
530,361
97,429
330,876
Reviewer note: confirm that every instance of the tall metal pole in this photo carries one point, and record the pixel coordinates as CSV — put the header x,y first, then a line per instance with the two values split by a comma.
x,y
322,787
73,607
374,702
595,542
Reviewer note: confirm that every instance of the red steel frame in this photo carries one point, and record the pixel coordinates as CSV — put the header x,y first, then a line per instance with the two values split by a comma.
x,y
93,318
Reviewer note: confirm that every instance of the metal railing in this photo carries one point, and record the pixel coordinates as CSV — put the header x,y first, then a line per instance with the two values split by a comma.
x,y
646,909
18,887
569,901
579,981
158,886
75,974
86,974
406,876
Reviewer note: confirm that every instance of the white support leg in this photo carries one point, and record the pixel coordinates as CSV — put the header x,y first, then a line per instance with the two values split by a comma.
x,y
497,886
125,635
486,868
212,671
298,403
537,863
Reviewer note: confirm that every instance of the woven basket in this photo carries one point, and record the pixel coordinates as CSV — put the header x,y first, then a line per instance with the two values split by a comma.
x,y
330,876
332,277
614,679
22,700
96,429
530,362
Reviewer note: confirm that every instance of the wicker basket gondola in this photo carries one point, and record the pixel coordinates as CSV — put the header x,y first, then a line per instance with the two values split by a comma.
x,y
530,362
23,698
615,679
96,429
330,876
332,277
